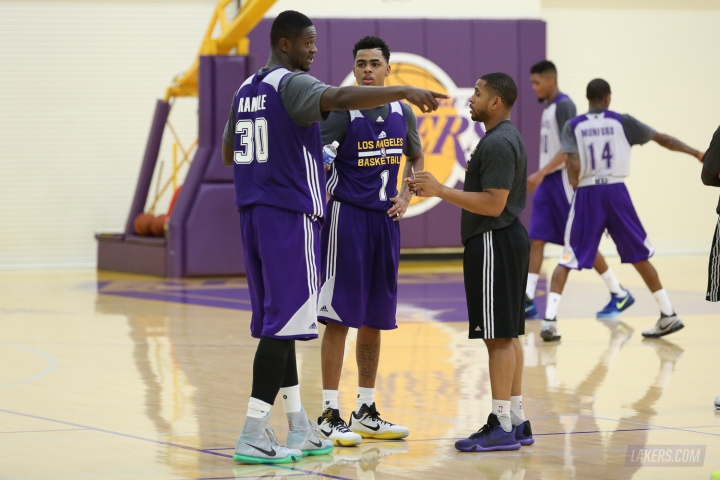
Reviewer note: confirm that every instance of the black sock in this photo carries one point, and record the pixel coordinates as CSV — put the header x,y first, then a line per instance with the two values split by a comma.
x,y
269,366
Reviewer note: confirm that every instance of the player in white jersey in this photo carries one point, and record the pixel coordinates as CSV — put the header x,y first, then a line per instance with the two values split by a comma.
x,y
598,146
551,203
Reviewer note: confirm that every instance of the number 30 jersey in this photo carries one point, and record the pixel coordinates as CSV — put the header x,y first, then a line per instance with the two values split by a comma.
x,y
602,146
365,170
277,162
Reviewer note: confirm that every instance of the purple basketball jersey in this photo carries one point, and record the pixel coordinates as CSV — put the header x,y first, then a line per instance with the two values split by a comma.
x,y
277,162
365,170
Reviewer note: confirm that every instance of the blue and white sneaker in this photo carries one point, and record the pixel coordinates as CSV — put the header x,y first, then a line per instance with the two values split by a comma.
x,y
489,438
258,444
616,305
531,312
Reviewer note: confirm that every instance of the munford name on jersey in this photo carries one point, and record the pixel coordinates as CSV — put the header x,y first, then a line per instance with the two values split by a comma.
x,y
386,151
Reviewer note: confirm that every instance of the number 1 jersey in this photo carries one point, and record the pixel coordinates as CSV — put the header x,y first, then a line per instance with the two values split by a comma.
x,y
365,170
277,162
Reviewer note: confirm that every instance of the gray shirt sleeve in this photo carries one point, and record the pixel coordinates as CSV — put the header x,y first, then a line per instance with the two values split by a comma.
x,y
564,111
229,133
637,132
301,94
497,169
334,128
412,143
568,140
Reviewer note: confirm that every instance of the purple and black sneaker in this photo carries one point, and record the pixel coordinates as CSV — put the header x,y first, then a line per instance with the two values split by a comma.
x,y
489,438
523,433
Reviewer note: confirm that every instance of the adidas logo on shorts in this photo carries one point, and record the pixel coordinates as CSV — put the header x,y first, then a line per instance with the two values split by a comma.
x,y
477,329
313,326
324,308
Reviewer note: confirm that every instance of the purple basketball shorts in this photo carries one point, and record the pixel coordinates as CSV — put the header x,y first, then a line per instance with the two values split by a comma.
x,y
360,257
595,209
551,206
282,260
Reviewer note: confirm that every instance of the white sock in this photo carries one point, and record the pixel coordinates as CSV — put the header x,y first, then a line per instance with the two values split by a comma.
x,y
365,396
291,399
517,414
258,408
532,285
553,300
613,284
330,399
661,297
501,408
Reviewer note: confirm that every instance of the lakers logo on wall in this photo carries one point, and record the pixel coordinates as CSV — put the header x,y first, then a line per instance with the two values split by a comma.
x,y
448,134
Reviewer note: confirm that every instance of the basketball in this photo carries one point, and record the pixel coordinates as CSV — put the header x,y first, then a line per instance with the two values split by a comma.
x,y
157,225
143,224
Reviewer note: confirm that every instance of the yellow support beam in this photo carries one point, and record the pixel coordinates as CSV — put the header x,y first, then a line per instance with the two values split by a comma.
x,y
232,35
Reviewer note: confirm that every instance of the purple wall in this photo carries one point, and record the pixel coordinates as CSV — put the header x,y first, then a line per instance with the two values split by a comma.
x,y
204,237
465,50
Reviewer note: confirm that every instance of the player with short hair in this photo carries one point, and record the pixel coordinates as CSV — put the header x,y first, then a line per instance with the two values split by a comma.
x,y
361,243
551,203
495,261
598,146
272,139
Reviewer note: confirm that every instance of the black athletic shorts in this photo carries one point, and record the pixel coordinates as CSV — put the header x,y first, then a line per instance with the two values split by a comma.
x,y
713,289
495,265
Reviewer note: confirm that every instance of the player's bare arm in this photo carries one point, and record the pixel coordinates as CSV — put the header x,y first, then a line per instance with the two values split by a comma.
x,y
363,98
401,202
672,143
535,179
227,155
490,202
573,168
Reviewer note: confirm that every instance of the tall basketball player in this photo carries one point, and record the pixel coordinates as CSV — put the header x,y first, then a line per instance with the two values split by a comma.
x,y
272,139
551,203
598,146
361,243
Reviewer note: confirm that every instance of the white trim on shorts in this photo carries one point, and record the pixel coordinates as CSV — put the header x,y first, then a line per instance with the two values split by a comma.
x,y
313,183
569,192
310,265
713,293
488,286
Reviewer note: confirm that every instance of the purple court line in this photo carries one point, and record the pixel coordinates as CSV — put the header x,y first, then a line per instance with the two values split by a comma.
x,y
170,293
43,431
159,442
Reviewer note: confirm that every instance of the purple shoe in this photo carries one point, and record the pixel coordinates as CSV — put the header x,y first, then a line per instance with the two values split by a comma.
x,y
523,433
489,438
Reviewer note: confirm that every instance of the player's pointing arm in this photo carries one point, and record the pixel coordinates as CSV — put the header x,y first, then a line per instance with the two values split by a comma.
x,y
361,98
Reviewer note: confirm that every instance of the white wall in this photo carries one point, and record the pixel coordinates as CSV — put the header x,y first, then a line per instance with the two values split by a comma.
x,y
80,80
79,85
663,67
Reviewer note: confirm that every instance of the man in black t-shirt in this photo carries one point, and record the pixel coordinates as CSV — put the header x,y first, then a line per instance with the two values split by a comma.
x,y
496,257
711,176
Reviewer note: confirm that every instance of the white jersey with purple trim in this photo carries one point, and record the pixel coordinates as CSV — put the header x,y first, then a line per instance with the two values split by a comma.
x,y
603,148
550,132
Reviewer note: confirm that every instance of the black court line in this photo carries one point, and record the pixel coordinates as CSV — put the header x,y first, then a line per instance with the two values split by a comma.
x,y
160,442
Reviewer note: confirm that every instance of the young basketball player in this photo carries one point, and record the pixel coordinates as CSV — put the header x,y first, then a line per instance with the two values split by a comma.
x,y
598,146
495,262
272,139
551,203
361,243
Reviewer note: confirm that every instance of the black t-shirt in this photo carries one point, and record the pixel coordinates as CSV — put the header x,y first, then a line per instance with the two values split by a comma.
x,y
498,161
711,164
